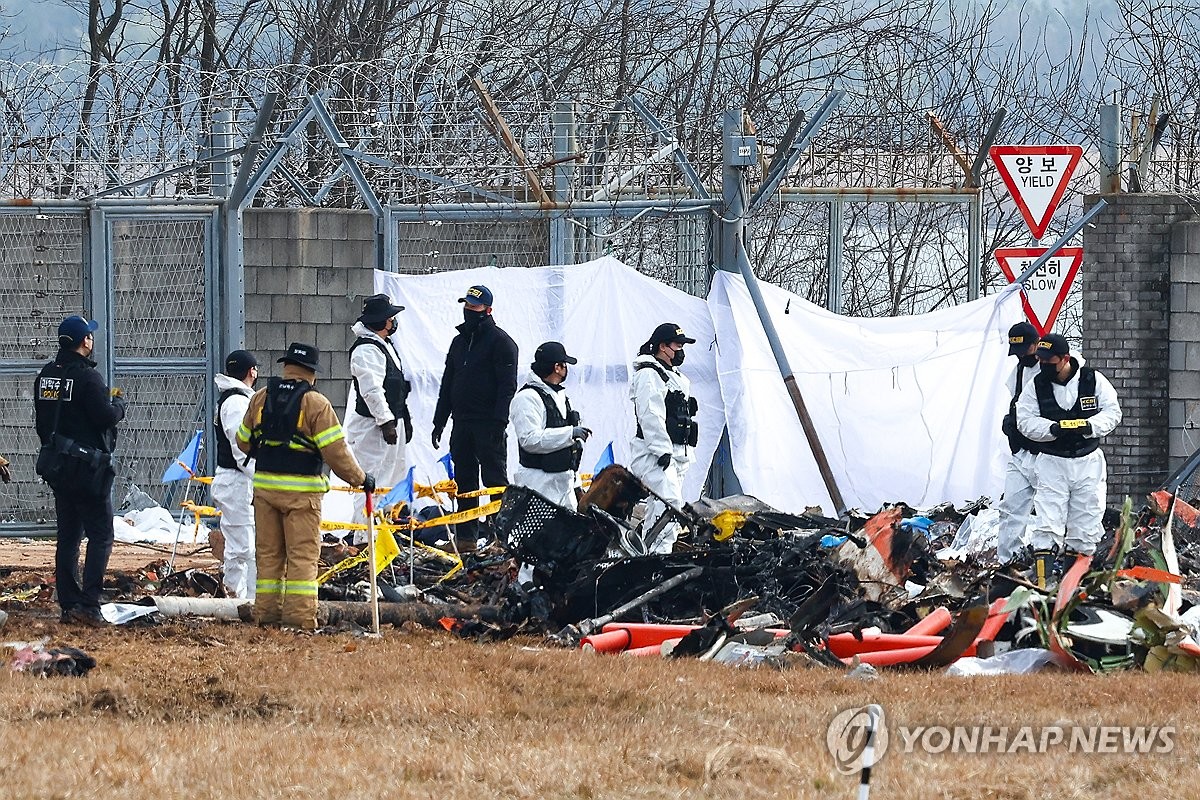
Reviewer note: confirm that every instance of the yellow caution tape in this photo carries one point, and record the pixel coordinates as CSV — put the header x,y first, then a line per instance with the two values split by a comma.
x,y
449,519
462,516
419,489
481,492
203,511
390,553
341,566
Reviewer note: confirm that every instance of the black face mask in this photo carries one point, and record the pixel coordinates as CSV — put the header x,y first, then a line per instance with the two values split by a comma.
x,y
391,328
677,359
1049,370
1028,361
473,318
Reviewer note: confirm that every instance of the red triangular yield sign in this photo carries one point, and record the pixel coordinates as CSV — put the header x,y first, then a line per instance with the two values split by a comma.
x,y
1044,291
1037,178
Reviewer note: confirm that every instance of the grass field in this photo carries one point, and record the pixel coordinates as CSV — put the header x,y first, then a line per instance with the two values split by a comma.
x,y
207,710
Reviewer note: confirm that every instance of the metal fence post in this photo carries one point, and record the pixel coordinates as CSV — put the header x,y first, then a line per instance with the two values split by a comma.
x,y
975,246
562,250
837,234
1111,147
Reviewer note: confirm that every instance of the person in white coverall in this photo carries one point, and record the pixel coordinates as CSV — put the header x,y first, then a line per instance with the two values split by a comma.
x,y
549,436
378,400
1020,476
233,483
663,445
1067,409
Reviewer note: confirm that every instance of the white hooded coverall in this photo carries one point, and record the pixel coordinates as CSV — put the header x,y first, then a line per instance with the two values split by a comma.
x,y
1020,481
649,391
385,461
1071,492
527,413
233,494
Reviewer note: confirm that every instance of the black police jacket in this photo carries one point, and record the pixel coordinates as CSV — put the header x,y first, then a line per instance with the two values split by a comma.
x,y
88,414
480,378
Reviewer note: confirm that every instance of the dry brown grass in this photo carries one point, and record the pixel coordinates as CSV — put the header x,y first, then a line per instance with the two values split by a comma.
x,y
221,711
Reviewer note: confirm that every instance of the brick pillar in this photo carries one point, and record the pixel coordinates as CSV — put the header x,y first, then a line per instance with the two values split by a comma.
x,y
307,271
1184,383
1126,282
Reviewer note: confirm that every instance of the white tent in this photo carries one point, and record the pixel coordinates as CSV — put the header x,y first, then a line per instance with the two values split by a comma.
x,y
602,311
907,408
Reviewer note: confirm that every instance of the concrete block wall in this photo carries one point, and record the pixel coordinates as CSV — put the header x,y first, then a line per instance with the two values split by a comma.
x,y
1183,405
307,271
1126,281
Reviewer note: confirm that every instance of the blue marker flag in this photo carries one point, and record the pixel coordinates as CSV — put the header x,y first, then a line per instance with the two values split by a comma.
x,y
606,459
185,463
401,491
448,465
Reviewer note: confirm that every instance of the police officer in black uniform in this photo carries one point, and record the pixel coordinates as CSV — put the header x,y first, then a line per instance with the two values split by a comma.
x,y
76,417
478,385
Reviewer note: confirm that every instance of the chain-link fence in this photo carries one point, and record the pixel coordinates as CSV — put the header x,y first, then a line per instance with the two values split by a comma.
x,y
436,245
146,276
42,274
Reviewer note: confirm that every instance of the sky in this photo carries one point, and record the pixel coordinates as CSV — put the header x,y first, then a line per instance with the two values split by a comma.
x,y
44,26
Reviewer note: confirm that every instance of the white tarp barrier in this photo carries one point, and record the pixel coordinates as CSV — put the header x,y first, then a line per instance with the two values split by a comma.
x,y
907,408
602,311
155,525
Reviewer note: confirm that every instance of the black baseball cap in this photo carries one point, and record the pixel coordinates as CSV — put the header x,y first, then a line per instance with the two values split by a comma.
x,y
302,355
553,353
477,296
669,332
1020,336
1053,344
73,330
239,363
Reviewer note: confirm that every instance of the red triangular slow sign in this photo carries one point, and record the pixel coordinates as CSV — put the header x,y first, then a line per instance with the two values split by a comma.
x,y
1044,291
1037,178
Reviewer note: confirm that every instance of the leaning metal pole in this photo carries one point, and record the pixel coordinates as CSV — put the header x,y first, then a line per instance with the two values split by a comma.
x,y
733,252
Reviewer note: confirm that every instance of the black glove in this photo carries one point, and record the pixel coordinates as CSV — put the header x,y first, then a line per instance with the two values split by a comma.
x,y
580,432
388,429
664,460
5,473
407,429
436,438
1078,426
119,402
368,483
1055,430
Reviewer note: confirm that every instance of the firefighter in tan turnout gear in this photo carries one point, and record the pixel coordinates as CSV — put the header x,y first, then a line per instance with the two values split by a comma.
x,y
292,431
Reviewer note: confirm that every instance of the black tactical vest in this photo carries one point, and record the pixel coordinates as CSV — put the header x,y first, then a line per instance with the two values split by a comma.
x,y
395,386
1069,444
680,410
565,459
276,444
1017,441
